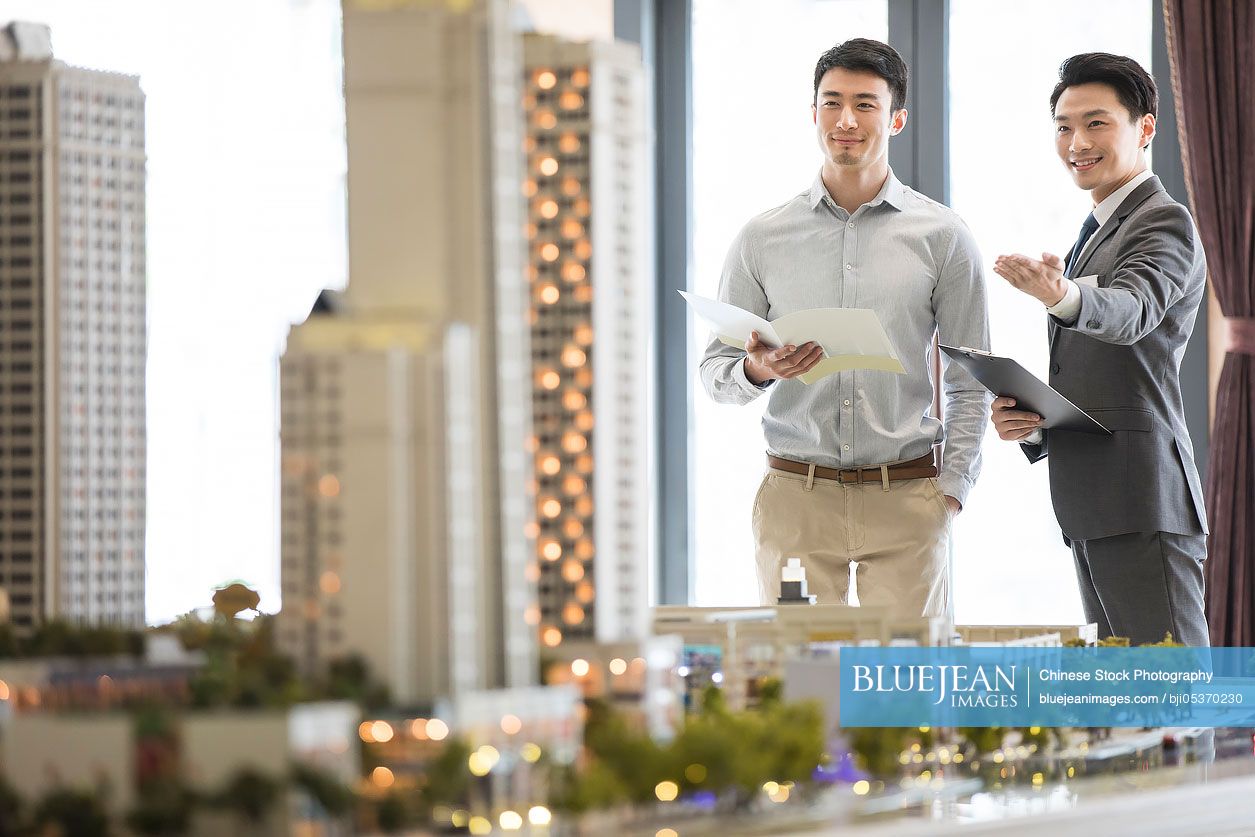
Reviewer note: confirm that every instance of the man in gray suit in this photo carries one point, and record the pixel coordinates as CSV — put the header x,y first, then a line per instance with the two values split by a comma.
x,y
1121,308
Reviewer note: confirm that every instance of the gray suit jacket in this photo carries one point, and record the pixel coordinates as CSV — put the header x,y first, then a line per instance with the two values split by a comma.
x,y
1120,361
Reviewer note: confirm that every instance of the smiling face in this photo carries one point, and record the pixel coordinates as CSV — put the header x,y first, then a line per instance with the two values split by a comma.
x,y
1099,142
852,118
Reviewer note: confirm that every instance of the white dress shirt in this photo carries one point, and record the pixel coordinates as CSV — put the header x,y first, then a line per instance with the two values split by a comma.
x,y
1067,308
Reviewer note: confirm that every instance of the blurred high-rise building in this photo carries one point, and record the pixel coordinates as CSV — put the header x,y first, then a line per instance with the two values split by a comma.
x,y
405,405
72,337
588,254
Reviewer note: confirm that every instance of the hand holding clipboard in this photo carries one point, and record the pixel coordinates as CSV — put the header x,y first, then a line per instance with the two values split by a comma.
x,y
1003,376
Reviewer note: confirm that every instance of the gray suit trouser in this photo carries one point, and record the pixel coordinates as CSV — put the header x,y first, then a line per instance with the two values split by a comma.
x,y
1143,585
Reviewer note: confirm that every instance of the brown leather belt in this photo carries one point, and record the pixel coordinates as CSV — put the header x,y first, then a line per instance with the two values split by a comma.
x,y
925,466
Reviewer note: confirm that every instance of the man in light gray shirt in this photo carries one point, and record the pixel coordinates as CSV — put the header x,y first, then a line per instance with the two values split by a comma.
x,y
852,473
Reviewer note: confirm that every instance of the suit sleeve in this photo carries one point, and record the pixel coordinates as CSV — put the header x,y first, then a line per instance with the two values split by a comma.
x,y
1152,274
1039,451
723,366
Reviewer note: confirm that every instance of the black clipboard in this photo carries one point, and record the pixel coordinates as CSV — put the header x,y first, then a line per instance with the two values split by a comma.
x,y
1003,376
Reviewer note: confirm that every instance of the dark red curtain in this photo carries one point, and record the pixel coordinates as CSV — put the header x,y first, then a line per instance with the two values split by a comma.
x,y
1211,44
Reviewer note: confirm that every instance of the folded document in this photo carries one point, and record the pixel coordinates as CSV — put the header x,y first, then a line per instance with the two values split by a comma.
x,y
852,338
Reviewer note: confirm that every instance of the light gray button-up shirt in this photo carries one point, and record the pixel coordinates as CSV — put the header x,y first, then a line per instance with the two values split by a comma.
x,y
909,259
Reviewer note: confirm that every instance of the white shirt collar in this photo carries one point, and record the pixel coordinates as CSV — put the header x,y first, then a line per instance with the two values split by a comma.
x,y
1104,210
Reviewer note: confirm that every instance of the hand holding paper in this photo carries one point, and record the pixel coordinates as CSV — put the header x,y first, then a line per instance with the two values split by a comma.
x,y
764,363
851,338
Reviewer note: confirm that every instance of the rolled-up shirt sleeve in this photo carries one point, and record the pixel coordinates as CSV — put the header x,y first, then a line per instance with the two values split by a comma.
x,y
960,305
723,366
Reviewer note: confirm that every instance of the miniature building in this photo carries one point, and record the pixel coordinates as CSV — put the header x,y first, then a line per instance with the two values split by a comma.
x,y
1026,634
507,731
586,189
738,647
44,751
72,365
161,675
405,419
365,539
640,678
793,584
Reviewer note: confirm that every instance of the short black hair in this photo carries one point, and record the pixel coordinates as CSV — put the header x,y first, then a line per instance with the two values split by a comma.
x,y
871,56
1134,87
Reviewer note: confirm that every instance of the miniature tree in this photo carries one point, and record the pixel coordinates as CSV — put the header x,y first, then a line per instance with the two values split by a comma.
x,y
230,599
1114,642
770,691
334,797
983,739
12,809
1035,735
629,752
448,779
793,742
713,700
10,645
54,638
350,678
877,749
251,794
75,812
704,740
1182,658
164,809
392,814
594,787
752,764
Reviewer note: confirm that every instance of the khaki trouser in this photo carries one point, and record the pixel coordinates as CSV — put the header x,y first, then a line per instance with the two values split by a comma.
x,y
898,537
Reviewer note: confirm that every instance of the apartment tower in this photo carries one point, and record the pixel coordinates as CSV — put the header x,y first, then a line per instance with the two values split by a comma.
x,y
72,337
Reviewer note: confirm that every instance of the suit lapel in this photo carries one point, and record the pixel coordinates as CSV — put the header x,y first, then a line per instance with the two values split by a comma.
x,y
1124,210
1104,233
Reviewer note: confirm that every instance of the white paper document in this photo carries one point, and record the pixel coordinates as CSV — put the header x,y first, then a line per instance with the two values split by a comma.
x,y
852,338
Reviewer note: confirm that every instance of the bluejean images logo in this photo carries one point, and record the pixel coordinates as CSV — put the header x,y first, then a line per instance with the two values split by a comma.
x,y
1046,686
964,686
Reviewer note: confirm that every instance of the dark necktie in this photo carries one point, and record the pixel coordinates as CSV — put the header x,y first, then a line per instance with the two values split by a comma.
x,y
1087,229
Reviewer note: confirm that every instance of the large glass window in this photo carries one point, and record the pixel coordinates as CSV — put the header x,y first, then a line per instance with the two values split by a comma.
x,y
1011,565
754,148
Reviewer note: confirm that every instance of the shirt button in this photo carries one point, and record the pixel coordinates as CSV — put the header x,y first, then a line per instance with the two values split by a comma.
x,y
849,267
851,226
845,447
1093,324
847,402
1054,369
